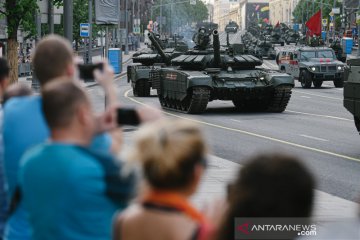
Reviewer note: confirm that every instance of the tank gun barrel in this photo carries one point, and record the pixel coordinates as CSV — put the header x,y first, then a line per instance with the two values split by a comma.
x,y
159,49
216,46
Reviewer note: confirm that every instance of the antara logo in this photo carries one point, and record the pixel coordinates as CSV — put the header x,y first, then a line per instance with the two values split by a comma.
x,y
171,76
244,228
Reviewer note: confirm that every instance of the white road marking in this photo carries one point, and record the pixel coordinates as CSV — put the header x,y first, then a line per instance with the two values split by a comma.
x,y
319,115
305,96
316,95
314,138
234,120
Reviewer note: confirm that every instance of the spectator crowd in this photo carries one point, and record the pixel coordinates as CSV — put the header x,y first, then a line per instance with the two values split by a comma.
x,y
61,176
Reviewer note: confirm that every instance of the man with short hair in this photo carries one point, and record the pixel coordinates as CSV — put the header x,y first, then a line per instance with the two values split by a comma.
x,y
25,126
4,81
69,191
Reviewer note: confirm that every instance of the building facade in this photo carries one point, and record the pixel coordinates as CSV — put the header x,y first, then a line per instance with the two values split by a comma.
x,y
225,11
253,11
281,11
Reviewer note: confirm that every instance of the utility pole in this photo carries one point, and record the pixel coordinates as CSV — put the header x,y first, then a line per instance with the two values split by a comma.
x,y
51,16
68,20
160,22
38,26
89,54
126,28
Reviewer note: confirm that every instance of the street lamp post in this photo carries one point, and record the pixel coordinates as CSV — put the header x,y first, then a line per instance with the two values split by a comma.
x,y
89,56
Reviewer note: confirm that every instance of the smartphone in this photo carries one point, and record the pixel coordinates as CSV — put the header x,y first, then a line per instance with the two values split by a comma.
x,y
127,116
87,70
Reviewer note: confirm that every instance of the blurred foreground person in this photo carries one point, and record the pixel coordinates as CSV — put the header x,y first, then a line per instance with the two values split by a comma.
x,y
269,186
172,155
68,190
16,90
4,81
25,125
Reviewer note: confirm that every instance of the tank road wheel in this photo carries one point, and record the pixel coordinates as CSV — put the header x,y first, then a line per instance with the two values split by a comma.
x,y
339,83
197,101
305,79
280,99
317,83
142,88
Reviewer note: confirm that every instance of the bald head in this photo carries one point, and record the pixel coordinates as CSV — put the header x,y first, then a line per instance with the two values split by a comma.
x,y
52,58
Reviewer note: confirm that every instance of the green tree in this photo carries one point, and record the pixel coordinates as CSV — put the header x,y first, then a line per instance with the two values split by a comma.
x,y
18,13
303,10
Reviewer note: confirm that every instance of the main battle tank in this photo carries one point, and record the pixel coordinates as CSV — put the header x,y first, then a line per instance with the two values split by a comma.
x,y
264,48
138,73
352,90
292,36
207,73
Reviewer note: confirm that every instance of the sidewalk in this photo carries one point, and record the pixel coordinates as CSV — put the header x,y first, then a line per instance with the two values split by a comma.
x,y
221,171
125,58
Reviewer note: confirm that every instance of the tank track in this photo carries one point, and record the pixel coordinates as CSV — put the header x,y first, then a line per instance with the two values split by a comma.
x,y
141,88
280,99
194,104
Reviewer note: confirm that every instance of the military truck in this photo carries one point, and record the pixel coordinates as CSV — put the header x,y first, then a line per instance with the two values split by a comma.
x,y
208,72
138,73
352,90
312,65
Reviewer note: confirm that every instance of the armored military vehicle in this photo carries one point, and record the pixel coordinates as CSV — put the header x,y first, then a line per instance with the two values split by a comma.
x,y
312,65
291,36
138,73
264,48
276,37
231,27
209,72
352,90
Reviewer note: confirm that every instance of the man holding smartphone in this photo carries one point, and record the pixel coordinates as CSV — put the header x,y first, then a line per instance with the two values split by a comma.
x,y
25,126
70,191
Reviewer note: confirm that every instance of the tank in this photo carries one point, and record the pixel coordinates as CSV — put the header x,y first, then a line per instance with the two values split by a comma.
x,y
265,48
291,36
146,60
352,90
276,36
210,72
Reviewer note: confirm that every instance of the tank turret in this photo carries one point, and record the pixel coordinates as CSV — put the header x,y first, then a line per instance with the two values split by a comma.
x,y
157,46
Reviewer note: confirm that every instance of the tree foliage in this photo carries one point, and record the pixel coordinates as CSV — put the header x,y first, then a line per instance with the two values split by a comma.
x,y
304,10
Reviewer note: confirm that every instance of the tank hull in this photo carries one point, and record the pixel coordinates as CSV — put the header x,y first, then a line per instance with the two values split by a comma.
x,y
244,87
352,90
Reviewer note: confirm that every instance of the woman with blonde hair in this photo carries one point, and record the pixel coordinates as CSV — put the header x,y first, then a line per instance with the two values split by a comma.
x,y
172,157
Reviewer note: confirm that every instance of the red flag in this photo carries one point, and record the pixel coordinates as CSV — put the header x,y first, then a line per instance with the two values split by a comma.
x,y
314,24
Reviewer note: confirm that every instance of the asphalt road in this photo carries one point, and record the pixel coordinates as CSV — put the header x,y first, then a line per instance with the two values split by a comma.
x,y
315,127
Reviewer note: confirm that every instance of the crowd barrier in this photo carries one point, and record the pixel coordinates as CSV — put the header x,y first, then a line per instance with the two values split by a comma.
x,y
24,69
